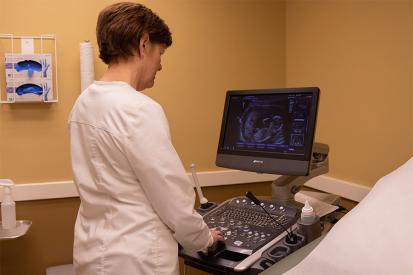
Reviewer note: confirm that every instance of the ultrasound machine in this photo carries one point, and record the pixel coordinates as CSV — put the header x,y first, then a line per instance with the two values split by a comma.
x,y
264,131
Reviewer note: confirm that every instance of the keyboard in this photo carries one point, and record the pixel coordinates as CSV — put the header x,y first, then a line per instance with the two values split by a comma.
x,y
246,227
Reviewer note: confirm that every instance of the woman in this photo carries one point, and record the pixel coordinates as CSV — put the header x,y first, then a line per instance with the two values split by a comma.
x,y
136,199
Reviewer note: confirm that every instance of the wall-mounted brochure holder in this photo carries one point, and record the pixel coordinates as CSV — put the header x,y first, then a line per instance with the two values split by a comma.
x,y
30,75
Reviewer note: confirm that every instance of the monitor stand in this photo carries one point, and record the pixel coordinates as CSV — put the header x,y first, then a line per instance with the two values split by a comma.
x,y
285,187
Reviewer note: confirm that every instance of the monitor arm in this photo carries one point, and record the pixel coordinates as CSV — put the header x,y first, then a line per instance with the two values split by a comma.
x,y
285,187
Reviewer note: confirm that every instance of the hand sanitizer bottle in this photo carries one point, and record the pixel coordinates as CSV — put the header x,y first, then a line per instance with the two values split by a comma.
x,y
309,223
8,207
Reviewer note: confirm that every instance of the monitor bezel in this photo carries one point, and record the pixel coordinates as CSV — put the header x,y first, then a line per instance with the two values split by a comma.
x,y
306,157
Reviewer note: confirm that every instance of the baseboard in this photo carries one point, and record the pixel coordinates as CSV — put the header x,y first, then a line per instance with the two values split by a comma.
x,y
67,189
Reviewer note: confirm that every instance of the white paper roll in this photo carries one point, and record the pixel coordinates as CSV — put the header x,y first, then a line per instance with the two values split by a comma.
x,y
87,70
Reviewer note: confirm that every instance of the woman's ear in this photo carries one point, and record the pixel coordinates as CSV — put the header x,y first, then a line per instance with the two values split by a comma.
x,y
144,44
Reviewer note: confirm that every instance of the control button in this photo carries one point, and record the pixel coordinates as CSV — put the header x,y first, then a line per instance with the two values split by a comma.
x,y
238,243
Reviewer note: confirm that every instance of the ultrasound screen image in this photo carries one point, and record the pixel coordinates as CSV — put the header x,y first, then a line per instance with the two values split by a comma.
x,y
268,122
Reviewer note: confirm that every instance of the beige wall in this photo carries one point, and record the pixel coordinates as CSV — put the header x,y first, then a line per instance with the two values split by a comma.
x,y
218,45
360,54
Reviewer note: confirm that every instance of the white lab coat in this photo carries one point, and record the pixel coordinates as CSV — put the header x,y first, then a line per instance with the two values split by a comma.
x,y
136,199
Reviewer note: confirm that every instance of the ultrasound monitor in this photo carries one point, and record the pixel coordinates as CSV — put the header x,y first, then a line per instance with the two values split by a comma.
x,y
264,131
269,131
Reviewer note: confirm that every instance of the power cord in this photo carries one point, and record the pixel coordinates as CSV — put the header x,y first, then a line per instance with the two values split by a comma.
x,y
342,209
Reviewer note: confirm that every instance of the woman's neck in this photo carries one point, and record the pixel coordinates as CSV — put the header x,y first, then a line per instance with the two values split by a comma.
x,y
125,71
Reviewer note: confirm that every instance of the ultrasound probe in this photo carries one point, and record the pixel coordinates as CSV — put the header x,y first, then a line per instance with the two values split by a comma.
x,y
205,204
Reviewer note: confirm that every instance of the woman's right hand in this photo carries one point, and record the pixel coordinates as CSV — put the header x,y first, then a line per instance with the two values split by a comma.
x,y
217,235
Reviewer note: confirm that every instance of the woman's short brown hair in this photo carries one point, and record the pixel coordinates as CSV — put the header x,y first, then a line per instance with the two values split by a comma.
x,y
121,26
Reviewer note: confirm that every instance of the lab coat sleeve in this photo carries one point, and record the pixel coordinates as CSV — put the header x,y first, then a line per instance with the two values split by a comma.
x,y
160,172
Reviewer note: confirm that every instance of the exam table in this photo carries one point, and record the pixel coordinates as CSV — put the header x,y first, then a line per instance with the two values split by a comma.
x,y
374,238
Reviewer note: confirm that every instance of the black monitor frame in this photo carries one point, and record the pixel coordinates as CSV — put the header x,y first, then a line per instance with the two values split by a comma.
x,y
264,161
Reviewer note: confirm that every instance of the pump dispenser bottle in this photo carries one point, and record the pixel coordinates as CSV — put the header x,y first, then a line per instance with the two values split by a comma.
x,y
309,223
8,207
